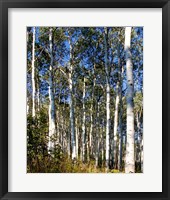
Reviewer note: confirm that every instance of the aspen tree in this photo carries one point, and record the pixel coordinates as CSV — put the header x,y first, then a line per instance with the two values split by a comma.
x,y
129,160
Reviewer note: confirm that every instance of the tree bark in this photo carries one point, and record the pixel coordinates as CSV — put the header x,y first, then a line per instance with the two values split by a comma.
x,y
27,104
139,148
129,160
107,100
120,130
77,136
97,136
116,125
116,114
52,116
38,95
73,142
91,111
83,123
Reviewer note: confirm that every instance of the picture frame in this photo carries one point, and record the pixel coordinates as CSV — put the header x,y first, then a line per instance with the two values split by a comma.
x,y
5,4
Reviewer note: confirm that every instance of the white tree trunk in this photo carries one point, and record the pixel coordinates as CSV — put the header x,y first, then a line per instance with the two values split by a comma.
x,y
97,136
87,146
52,117
91,112
139,148
27,105
68,144
116,114
107,102
38,98
77,136
102,143
33,74
67,134
120,130
116,125
73,142
138,142
84,120
129,160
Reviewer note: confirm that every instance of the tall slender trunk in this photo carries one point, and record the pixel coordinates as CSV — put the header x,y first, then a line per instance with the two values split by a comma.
x,y
38,95
33,74
58,128
63,131
97,150
77,131
83,123
87,146
91,111
138,142
66,132
28,105
130,160
77,138
116,114
97,136
52,116
139,148
107,101
73,143
102,142
120,130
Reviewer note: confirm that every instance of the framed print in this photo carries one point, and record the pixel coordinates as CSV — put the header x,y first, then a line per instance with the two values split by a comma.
x,y
84,99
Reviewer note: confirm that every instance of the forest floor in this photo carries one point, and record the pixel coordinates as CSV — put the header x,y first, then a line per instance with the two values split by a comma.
x,y
39,165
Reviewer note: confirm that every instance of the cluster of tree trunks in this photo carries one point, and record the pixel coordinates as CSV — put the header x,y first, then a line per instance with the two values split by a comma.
x,y
84,79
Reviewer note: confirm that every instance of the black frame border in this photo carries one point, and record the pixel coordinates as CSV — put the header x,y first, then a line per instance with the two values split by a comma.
x,y
4,5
